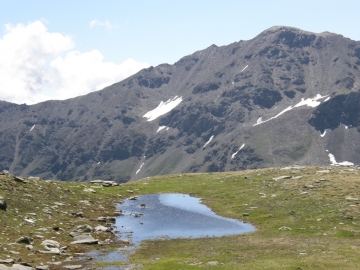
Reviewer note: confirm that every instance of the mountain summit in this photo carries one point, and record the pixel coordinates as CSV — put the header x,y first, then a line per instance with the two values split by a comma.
x,y
286,97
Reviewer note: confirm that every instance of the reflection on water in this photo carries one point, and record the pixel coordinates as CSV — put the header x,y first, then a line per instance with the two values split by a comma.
x,y
170,216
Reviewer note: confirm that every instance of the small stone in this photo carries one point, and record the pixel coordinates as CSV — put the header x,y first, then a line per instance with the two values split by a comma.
x,y
19,179
104,219
42,267
102,229
283,228
25,240
282,177
246,214
84,239
124,241
21,267
89,190
7,261
78,266
79,214
68,259
323,171
83,229
3,204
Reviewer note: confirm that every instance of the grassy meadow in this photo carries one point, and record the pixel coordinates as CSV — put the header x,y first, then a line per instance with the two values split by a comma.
x,y
318,211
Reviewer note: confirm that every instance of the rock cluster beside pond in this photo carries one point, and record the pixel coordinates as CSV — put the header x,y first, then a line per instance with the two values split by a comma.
x,y
42,241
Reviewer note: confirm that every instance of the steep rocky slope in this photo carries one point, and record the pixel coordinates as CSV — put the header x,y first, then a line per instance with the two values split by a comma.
x,y
285,97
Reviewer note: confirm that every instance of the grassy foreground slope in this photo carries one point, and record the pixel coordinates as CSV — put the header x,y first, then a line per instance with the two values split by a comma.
x,y
317,209
321,210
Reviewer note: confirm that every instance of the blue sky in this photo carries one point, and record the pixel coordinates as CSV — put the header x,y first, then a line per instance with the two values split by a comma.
x,y
60,49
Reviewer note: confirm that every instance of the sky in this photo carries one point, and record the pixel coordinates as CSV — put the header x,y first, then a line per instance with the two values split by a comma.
x,y
60,49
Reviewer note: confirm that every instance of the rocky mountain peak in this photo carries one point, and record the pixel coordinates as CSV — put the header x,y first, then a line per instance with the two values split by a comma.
x,y
285,97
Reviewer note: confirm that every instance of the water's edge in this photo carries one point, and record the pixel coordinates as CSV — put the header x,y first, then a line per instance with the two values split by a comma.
x,y
164,216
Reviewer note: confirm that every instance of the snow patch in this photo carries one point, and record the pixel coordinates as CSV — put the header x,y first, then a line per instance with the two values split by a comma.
x,y
163,108
160,128
311,102
167,128
212,137
323,134
244,68
139,168
32,128
346,127
241,147
98,163
334,163
327,99
259,121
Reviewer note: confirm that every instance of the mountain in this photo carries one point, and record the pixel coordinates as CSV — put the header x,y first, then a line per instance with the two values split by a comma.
x,y
286,97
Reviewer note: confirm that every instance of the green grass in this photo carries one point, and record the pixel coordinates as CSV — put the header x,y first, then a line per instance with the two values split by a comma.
x,y
325,225
321,237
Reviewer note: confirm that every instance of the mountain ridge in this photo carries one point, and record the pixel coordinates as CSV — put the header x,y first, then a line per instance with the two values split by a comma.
x,y
223,90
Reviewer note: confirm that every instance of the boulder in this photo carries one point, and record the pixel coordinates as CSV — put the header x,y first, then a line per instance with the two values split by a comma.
x,y
20,267
7,261
89,190
96,181
83,229
282,177
25,240
84,239
19,179
51,247
42,267
101,228
104,219
3,204
73,266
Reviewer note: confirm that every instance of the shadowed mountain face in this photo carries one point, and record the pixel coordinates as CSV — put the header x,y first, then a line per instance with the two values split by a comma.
x,y
285,97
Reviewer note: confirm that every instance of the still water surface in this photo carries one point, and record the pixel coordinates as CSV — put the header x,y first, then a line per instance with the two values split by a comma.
x,y
170,216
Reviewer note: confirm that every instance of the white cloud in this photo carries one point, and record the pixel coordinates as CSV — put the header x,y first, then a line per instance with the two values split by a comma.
x,y
106,24
37,65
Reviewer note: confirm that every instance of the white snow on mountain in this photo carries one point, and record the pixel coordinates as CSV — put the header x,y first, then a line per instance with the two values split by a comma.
x,y
311,102
140,168
241,147
323,134
163,108
244,68
160,128
334,163
212,137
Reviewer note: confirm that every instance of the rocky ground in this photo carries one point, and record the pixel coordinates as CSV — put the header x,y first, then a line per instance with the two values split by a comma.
x,y
51,224
305,218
